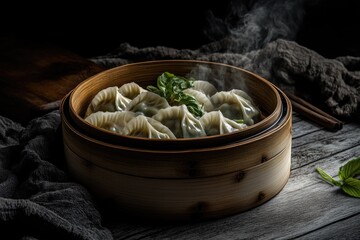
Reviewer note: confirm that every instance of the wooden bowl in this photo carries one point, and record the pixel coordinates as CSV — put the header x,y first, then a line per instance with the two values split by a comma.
x,y
224,77
200,183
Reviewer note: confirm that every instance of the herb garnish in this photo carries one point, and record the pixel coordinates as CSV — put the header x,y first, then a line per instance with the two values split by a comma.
x,y
347,173
171,88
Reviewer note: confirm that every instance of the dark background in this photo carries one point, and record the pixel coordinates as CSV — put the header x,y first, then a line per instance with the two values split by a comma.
x,y
90,29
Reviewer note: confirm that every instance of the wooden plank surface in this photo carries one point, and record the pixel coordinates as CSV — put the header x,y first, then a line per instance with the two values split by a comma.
x,y
307,208
35,76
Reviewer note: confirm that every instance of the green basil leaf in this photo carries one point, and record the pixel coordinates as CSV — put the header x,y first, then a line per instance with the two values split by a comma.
x,y
327,177
353,182
191,105
162,81
352,187
350,169
195,110
171,87
154,90
239,121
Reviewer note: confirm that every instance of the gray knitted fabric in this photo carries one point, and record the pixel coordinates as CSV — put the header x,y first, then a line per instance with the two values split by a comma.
x,y
332,84
37,200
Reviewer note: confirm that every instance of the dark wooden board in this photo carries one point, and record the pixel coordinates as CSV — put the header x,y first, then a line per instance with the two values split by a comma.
x,y
35,76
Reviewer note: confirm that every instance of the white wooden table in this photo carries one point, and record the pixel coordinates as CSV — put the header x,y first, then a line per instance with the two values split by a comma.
x,y
307,207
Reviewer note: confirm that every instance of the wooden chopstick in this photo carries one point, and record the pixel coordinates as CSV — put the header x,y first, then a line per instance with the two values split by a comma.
x,y
313,113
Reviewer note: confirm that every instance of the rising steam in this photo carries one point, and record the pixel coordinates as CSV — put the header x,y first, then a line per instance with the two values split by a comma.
x,y
252,24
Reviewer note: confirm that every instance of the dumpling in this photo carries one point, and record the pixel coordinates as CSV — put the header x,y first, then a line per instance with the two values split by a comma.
x,y
215,123
131,90
146,127
180,121
112,121
108,100
235,105
147,103
205,87
243,94
200,97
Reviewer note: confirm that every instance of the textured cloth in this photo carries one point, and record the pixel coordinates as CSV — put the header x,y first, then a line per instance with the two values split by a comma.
x,y
37,200
333,84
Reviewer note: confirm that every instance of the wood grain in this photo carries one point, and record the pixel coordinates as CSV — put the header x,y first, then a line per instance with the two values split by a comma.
x,y
194,184
307,208
35,76
313,113
190,163
184,199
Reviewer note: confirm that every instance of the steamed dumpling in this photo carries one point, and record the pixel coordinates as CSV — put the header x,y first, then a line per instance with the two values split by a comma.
x,y
112,121
242,94
131,90
180,121
108,100
235,105
147,103
146,127
215,123
200,97
205,87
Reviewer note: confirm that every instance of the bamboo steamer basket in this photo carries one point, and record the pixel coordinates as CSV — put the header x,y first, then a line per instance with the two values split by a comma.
x,y
223,76
184,184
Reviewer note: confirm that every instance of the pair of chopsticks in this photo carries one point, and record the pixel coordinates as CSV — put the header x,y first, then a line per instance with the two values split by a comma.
x,y
313,113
